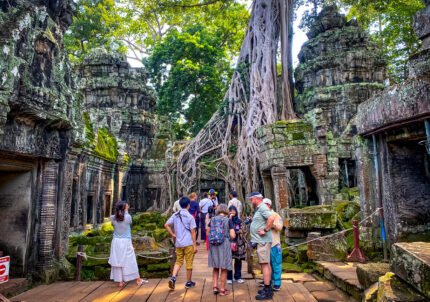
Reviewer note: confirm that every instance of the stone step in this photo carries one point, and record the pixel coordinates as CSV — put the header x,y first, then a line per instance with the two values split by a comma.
x,y
411,262
343,275
14,287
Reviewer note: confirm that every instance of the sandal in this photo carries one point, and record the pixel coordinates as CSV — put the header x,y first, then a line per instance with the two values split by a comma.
x,y
142,282
216,291
224,292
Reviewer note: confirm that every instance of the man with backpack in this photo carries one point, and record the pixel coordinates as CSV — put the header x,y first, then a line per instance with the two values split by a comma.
x,y
261,237
204,205
185,235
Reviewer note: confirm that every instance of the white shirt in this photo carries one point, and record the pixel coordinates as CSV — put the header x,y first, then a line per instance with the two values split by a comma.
x,y
176,206
236,202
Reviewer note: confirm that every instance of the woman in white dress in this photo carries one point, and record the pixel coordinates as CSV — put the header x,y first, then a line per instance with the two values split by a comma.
x,y
122,258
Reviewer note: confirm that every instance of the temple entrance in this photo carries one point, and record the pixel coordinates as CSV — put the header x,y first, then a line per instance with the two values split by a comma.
x,y
15,207
302,188
408,170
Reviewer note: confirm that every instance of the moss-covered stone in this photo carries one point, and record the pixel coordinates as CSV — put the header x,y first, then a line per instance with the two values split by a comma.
x,y
312,218
393,289
369,273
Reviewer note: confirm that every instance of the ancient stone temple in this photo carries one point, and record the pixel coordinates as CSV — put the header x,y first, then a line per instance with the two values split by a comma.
x,y
339,69
66,158
116,160
40,129
393,158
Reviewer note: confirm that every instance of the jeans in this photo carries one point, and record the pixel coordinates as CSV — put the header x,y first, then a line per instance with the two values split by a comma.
x,y
237,270
276,264
197,219
203,226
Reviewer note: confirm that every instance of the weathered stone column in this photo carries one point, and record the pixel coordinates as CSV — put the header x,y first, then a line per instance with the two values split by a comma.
x,y
268,185
280,187
47,215
65,203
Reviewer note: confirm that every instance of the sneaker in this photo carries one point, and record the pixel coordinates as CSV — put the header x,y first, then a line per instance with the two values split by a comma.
x,y
238,280
172,282
198,244
224,292
261,284
229,282
265,295
276,287
190,284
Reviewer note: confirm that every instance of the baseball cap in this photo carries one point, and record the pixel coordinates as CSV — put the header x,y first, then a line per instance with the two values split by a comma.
x,y
211,191
267,201
255,194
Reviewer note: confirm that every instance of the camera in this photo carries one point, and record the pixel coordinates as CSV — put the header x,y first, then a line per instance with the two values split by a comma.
x,y
248,220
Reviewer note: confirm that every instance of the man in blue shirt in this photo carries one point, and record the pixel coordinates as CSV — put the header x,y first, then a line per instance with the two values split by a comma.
x,y
185,235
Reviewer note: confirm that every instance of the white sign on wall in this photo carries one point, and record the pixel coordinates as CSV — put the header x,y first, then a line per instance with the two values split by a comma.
x,y
4,269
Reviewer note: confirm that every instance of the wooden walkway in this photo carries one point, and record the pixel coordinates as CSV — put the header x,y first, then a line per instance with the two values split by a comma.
x,y
157,290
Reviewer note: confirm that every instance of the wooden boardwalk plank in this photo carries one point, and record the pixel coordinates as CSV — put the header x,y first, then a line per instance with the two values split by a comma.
x,y
195,293
126,293
161,292
31,293
241,292
104,293
79,292
44,292
283,295
207,293
145,291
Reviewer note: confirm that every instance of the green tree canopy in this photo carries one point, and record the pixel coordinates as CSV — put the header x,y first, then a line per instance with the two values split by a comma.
x,y
94,24
190,72
390,23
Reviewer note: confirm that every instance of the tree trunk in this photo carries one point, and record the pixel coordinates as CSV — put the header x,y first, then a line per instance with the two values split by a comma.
x,y
249,103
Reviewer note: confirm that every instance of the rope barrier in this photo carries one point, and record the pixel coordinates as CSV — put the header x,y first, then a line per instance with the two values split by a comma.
x,y
330,235
83,254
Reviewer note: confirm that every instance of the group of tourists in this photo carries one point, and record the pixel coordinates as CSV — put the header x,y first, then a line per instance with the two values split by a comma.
x,y
222,229
226,237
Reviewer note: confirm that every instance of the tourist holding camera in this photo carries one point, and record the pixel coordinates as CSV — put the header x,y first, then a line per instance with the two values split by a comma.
x,y
261,236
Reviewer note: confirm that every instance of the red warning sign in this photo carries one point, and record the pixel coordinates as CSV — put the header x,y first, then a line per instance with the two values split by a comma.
x,y
4,269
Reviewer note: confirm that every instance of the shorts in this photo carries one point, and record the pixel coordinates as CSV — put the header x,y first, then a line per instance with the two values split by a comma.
x,y
263,252
186,252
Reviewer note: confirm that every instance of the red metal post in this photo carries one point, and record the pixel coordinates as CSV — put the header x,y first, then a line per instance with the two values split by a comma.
x,y
356,255
79,263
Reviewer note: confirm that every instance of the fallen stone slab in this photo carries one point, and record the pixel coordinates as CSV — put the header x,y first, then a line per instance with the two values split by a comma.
x,y
333,248
392,289
411,262
14,287
369,273
312,218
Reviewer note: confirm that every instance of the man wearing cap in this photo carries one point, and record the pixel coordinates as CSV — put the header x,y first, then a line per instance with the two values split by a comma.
x,y
276,250
261,235
212,196
235,202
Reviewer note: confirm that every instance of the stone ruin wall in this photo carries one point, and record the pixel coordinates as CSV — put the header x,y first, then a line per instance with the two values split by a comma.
x,y
39,123
48,169
396,119
339,68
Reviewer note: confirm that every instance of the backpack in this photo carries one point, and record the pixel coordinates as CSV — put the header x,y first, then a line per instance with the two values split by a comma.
x,y
217,231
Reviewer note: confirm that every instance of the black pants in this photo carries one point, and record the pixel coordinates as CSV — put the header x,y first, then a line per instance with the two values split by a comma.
x,y
237,270
197,220
203,226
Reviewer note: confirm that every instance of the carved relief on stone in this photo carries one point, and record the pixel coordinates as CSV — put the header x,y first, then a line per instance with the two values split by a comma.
x,y
47,214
